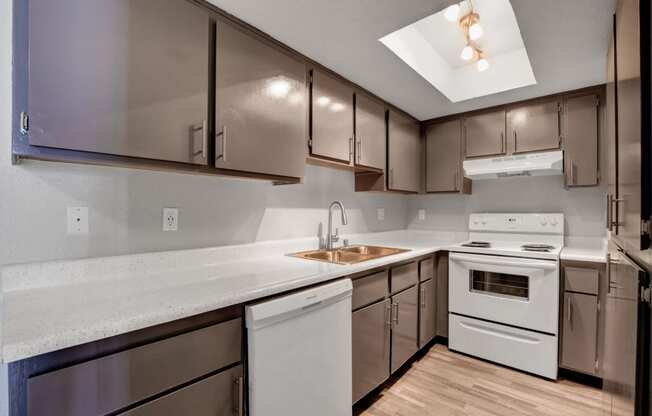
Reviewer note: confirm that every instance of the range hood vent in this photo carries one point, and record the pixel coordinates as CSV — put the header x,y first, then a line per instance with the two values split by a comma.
x,y
533,164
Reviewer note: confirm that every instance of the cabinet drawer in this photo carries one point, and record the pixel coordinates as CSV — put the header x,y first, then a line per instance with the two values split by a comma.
x,y
107,384
404,277
218,395
369,289
426,269
581,280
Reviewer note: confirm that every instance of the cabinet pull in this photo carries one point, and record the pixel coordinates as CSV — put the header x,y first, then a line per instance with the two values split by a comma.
x,y
391,177
514,140
388,316
350,149
423,298
222,155
455,181
204,139
360,151
238,401
502,142
396,314
570,312
609,212
572,173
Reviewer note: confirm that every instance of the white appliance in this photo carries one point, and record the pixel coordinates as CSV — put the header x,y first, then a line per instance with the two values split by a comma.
x,y
300,353
531,164
504,291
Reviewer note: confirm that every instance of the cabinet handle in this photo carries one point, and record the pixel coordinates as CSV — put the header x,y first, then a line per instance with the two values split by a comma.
x,y
238,402
502,142
391,177
388,316
204,139
350,149
360,151
609,212
572,172
396,314
423,298
455,181
514,140
222,155
570,311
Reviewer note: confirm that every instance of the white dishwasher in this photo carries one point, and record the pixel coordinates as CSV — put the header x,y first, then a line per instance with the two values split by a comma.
x,y
300,353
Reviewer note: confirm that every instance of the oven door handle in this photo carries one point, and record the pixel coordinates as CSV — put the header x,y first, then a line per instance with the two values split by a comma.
x,y
504,261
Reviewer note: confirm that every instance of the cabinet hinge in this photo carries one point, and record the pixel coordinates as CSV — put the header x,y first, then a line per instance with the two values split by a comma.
x,y
24,123
645,227
646,294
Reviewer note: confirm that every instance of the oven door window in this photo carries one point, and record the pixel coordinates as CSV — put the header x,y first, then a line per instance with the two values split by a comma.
x,y
500,284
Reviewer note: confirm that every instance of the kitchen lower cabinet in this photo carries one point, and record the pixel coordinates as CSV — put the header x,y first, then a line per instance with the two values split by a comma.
x,y
444,157
121,77
484,134
261,124
331,109
579,347
580,139
371,347
370,132
534,127
441,276
404,147
405,323
427,312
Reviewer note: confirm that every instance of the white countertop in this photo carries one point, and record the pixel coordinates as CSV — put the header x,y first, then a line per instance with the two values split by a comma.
x,y
55,305
584,249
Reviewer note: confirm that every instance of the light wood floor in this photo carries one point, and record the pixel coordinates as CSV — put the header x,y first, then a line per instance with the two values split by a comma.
x,y
444,383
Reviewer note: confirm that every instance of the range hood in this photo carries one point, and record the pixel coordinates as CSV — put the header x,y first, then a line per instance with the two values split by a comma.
x,y
532,164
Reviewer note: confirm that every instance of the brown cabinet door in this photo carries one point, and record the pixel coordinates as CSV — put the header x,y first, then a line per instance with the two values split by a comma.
x,y
371,335
580,332
442,295
534,127
370,132
404,154
484,134
120,77
261,106
630,125
332,117
581,140
427,312
405,325
443,157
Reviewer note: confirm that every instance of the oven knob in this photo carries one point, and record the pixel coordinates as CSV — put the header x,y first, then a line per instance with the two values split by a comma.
x,y
544,222
553,221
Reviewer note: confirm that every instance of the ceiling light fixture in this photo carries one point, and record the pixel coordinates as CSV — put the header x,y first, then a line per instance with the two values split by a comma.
x,y
452,13
467,53
473,31
482,64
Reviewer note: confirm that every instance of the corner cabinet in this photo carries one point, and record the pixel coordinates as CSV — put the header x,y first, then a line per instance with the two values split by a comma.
x,y
134,82
404,147
261,124
331,117
444,157
534,127
580,139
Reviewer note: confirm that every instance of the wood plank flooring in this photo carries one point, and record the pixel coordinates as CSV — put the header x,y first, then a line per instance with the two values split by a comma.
x,y
444,383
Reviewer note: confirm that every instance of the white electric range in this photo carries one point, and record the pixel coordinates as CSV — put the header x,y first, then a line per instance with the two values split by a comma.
x,y
504,291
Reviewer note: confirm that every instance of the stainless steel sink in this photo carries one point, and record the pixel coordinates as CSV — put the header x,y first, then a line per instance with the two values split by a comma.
x,y
349,255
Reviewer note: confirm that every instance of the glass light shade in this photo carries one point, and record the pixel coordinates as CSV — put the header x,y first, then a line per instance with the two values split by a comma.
x,y
452,13
475,31
467,53
483,64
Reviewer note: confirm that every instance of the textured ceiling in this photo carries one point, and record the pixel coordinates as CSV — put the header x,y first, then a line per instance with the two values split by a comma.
x,y
566,41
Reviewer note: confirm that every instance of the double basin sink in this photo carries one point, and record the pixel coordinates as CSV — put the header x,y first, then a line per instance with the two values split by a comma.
x,y
349,255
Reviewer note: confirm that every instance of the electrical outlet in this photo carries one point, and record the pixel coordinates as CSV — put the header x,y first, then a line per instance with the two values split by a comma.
x,y
170,219
77,220
380,214
422,214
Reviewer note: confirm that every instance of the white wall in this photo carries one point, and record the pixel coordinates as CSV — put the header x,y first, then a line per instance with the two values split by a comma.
x,y
584,208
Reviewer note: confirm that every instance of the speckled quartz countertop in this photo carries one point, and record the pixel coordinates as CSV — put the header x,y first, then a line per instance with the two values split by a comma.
x,y
584,249
55,305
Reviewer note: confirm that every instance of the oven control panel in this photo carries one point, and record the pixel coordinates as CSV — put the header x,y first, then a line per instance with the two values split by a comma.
x,y
518,223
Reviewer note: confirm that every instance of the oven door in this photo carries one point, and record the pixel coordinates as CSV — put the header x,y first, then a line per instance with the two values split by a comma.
x,y
508,290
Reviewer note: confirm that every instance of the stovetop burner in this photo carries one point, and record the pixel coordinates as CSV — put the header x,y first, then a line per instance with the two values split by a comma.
x,y
538,247
480,244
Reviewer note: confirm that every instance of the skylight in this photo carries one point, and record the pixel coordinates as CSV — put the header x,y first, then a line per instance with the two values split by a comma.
x,y
432,46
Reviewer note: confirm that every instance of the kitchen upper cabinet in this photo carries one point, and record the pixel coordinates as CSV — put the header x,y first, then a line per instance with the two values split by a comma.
x,y
484,134
405,315
121,77
370,132
444,157
581,135
261,96
427,312
331,117
534,127
371,345
610,138
404,147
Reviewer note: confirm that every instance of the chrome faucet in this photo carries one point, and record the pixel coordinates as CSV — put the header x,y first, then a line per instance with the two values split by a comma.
x,y
330,237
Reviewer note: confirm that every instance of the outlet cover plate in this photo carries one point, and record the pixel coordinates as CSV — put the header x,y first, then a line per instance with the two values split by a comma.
x,y
170,219
380,214
77,220
422,214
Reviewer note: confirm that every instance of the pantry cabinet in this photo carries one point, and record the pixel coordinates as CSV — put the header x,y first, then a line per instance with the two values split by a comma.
x,y
261,106
534,127
484,134
331,117
404,146
370,132
444,157
134,82
580,139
